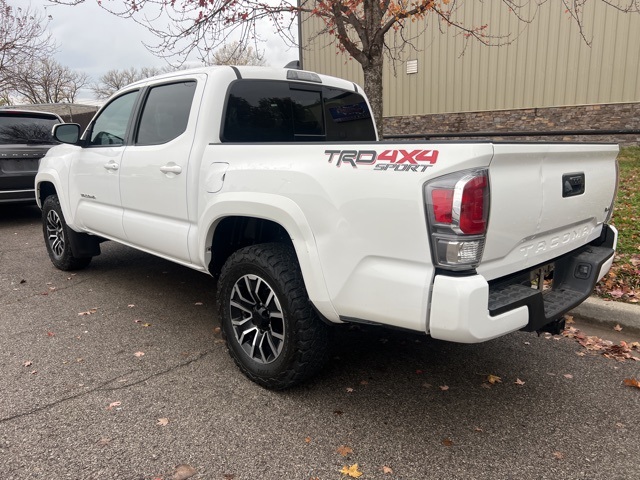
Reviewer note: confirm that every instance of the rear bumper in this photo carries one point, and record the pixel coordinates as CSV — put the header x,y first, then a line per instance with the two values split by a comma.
x,y
471,310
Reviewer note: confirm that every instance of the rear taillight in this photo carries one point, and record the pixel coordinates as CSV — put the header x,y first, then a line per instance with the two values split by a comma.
x,y
457,213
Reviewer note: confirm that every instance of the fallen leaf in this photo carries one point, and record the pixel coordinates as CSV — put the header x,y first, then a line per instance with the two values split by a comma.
x,y
131,305
527,343
33,372
344,450
198,303
349,390
113,405
619,425
137,321
307,439
478,429
183,472
216,330
88,312
386,470
146,324
558,455
568,375
493,379
569,319
447,442
51,334
28,363
632,382
138,354
444,388
617,328
519,382
163,422
351,471
103,442
580,354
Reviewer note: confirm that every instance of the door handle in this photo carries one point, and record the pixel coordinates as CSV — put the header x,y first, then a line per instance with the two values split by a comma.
x,y
111,166
171,168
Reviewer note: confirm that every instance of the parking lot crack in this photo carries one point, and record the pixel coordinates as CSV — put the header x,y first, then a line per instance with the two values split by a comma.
x,y
103,387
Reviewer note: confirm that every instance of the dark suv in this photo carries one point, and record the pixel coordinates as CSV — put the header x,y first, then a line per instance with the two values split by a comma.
x,y
25,137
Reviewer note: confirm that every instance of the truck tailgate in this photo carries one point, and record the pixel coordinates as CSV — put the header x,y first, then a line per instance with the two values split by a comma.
x,y
546,200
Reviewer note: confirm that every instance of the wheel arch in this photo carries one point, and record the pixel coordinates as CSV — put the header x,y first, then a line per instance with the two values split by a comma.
x,y
235,222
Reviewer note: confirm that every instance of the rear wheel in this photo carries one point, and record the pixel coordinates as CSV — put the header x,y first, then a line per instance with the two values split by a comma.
x,y
57,238
271,329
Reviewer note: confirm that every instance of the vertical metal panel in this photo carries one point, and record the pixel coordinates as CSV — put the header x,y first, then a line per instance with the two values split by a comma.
x,y
548,63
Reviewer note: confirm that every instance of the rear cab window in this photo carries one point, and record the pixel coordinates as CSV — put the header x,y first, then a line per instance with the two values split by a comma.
x,y
282,111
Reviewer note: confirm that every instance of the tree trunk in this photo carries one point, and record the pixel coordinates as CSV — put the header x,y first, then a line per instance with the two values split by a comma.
x,y
373,89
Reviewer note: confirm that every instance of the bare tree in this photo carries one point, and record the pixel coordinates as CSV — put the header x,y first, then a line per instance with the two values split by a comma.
x,y
23,38
235,53
365,29
115,79
46,81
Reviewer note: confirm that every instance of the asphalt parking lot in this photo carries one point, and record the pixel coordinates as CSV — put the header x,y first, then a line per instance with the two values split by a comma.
x,y
118,372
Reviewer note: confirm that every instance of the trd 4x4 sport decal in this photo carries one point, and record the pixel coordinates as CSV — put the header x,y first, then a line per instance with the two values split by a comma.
x,y
393,160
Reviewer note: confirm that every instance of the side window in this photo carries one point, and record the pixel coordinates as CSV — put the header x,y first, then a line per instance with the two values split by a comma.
x,y
348,116
166,113
111,125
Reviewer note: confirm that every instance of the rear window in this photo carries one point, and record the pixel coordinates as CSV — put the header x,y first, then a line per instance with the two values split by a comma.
x,y
19,128
277,111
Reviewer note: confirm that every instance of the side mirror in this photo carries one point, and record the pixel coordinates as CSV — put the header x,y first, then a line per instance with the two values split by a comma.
x,y
67,133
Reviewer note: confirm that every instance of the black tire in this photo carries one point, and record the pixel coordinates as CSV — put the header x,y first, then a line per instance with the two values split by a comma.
x,y
271,329
57,238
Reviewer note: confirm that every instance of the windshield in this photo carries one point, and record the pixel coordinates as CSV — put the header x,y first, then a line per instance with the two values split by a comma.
x,y
26,129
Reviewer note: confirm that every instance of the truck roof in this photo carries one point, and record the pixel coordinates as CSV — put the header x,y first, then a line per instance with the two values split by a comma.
x,y
261,73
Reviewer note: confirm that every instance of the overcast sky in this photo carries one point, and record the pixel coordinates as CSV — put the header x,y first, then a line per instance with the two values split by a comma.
x,y
93,41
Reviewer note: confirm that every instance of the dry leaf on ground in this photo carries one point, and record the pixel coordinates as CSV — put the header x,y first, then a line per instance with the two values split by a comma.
x,y
386,469
344,450
163,422
113,405
558,455
351,471
493,379
183,472
88,312
447,442
138,354
444,388
632,382
617,328
519,382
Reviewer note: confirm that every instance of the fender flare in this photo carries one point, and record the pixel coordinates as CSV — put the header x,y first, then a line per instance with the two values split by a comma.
x,y
286,213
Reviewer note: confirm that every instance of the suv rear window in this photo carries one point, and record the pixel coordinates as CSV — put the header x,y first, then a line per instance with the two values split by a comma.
x,y
278,111
26,128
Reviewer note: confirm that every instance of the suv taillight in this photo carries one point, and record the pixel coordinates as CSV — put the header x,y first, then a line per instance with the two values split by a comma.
x,y
457,214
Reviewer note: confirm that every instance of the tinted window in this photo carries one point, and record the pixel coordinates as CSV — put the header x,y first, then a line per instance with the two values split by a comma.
x,y
26,129
348,117
272,111
166,113
111,125
258,112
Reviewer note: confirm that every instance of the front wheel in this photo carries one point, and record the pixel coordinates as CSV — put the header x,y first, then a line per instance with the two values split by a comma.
x,y
272,331
57,238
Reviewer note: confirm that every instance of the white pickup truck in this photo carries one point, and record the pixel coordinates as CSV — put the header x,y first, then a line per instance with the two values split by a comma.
x,y
274,182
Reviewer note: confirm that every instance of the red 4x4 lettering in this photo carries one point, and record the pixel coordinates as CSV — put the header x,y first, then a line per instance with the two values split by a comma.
x,y
413,156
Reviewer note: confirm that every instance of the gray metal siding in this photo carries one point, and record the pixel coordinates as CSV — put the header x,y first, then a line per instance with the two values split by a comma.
x,y
548,64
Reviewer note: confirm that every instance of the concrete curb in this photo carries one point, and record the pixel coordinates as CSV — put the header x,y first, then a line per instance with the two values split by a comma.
x,y
609,313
